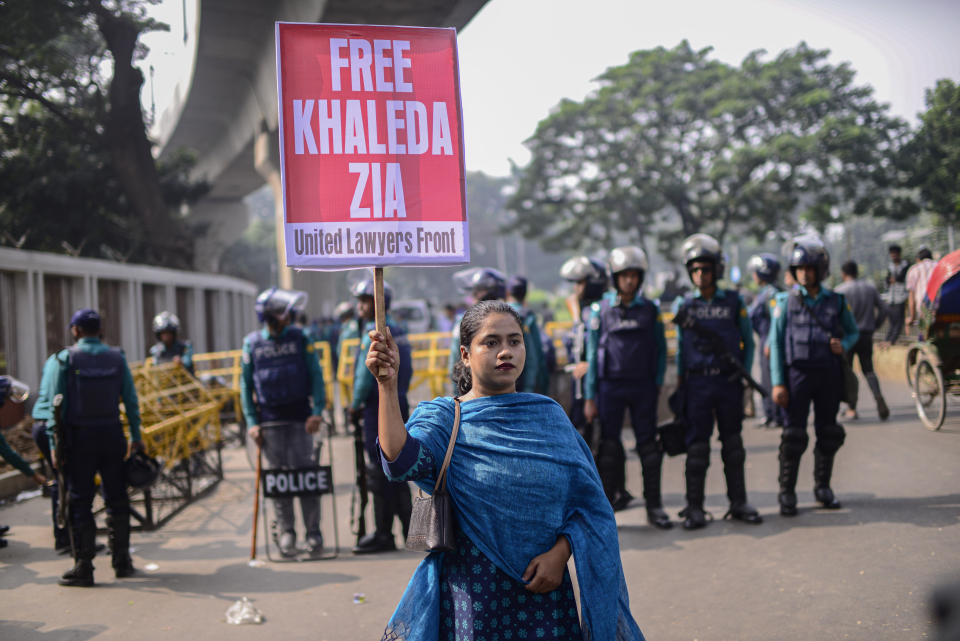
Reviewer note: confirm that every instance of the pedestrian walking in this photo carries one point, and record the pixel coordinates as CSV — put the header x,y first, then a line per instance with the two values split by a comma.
x,y
869,311
280,366
627,357
896,294
525,495
917,278
813,327
711,387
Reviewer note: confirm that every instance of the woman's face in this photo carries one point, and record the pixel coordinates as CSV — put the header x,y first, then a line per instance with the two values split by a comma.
x,y
496,355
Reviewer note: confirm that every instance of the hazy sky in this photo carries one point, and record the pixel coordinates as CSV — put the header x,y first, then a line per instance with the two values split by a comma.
x,y
519,58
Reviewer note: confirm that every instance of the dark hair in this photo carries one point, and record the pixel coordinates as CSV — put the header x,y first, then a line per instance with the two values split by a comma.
x,y
469,326
924,254
895,248
850,268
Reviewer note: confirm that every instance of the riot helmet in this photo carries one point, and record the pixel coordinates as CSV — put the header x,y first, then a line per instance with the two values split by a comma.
x,y
809,251
765,266
484,283
279,303
343,310
628,257
592,272
366,288
702,247
165,322
141,470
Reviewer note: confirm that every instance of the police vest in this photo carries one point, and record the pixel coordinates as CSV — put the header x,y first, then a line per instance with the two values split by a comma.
x,y
722,315
279,364
807,343
628,346
760,310
94,385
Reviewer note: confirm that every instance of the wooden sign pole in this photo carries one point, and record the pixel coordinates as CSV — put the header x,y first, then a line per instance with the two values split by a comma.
x,y
379,305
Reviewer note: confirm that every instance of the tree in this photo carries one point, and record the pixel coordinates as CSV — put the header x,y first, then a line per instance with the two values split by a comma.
x,y
77,163
674,142
933,155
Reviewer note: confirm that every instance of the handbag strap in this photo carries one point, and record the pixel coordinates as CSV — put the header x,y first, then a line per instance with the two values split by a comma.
x,y
441,484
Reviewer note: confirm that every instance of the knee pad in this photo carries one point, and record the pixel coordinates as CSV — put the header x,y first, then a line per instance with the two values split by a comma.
x,y
376,479
649,451
831,438
732,451
698,456
793,442
610,453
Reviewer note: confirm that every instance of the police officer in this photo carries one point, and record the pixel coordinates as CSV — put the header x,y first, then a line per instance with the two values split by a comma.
x,y
42,413
812,329
766,270
169,348
535,377
91,378
280,366
390,499
627,357
589,278
711,388
482,283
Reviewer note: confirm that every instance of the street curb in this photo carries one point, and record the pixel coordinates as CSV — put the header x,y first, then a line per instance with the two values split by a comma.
x,y
14,482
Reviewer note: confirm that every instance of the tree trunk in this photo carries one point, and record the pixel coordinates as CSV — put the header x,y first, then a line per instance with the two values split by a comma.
x,y
159,240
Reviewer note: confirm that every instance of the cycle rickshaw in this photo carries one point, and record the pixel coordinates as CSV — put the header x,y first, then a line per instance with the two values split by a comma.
x,y
933,362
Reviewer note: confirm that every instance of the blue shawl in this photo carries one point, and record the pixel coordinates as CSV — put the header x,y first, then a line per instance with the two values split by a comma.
x,y
520,476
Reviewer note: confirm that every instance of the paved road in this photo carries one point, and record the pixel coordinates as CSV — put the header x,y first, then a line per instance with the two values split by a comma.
x,y
863,572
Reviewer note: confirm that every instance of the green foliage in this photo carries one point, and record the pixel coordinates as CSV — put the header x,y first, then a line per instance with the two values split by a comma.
x,y
674,143
76,171
933,156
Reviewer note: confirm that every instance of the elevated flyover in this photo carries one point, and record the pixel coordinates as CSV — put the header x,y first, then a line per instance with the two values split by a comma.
x,y
226,110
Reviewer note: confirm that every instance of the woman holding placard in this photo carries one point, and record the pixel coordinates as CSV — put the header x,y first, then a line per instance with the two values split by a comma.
x,y
526,496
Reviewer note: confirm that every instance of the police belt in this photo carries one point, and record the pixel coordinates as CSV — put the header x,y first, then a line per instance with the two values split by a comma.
x,y
710,371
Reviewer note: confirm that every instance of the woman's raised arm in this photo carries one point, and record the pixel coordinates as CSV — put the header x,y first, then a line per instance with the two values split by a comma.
x,y
383,361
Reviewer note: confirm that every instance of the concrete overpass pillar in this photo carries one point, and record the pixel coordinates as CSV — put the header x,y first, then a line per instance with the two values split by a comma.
x,y
320,286
218,223
266,160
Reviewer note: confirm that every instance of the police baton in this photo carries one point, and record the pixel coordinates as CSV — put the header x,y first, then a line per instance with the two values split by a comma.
x,y
256,503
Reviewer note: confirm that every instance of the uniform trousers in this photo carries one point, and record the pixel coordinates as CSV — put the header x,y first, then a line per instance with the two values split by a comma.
x,y
287,445
712,398
821,386
92,450
616,396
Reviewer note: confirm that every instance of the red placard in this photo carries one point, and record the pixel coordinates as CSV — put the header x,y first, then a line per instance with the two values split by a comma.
x,y
371,146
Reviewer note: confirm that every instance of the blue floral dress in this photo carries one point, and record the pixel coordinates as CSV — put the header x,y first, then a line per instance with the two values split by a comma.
x,y
478,601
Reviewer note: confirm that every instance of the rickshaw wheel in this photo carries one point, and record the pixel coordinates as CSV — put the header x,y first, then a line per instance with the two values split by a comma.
x,y
912,355
930,394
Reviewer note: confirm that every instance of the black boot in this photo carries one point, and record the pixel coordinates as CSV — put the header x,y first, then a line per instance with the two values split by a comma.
x,y
698,459
734,457
822,471
611,464
381,539
793,442
651,462
120,546
81,575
